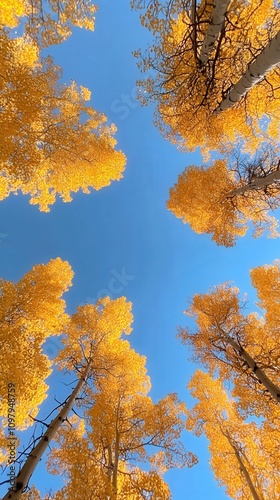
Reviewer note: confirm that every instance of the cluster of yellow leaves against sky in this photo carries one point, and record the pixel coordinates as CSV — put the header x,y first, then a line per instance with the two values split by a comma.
x,y
122,418
48,22
188,95
219,315
31,310
257,445
203,198
53,143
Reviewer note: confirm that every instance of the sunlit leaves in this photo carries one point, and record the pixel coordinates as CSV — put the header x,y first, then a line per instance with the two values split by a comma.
x,y
48,22
30,312
241,348
53,143
188,92
242,453
128,442
223,198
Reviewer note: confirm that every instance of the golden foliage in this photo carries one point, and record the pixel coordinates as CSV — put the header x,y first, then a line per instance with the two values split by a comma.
x,y
30,312
266,280
53,143
10,11
123,430
215,200
226,338
200,198
243,453
94,332
187,93
50,22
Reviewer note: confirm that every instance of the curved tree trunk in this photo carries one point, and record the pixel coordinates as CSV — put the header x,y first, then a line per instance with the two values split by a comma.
x,y
264,62
36,454
273,389
214,29
257,183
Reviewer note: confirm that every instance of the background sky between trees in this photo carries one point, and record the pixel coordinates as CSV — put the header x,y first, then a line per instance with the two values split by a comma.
x,y
125,232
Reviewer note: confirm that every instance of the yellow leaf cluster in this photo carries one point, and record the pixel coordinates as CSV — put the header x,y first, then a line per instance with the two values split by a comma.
x,y
30,311
10,10
225,338
94,331
124,427
242,453
52,144
187,93
219,201
200,198
48,22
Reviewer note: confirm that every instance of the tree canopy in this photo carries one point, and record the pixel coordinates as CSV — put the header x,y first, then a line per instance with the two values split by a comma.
x,y
242,453
212,70
31,311
53,143
223,198
242,348
48,22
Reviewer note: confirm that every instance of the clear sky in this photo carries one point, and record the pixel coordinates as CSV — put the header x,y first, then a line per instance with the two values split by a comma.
x,y
125,231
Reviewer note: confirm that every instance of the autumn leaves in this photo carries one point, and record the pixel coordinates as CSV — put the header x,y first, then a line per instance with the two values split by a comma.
x,y
120,443
124,442
47,124
213,74
212,71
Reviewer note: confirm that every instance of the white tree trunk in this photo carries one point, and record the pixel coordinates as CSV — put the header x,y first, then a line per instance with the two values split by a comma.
x,y
273,389
264,62
257,183
244,470
214,29
38,451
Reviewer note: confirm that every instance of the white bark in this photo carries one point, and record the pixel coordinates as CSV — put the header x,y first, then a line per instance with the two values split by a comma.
x,y
264,62
244,469
257,183
273,389
36,454
214,29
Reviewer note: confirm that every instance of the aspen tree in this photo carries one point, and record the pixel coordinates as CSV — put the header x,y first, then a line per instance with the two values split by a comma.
x,y
223,198
241,348
53,144
212,70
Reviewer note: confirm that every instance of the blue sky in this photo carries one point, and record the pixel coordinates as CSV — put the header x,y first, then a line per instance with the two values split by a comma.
x,y
124,232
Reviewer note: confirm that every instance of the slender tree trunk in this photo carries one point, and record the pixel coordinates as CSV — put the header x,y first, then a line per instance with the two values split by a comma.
x,y
257,183
193,20
264,62
244,469
214,29
36,454
273,389
116,465
110,462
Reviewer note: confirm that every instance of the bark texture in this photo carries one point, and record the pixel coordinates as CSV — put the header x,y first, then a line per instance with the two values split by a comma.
x,y
36,454
264,62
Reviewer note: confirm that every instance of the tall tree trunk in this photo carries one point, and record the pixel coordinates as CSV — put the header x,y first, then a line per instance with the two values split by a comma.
x,y
214,29
194,27
116,465
244,469
264,62
257,183
36,454
273,389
